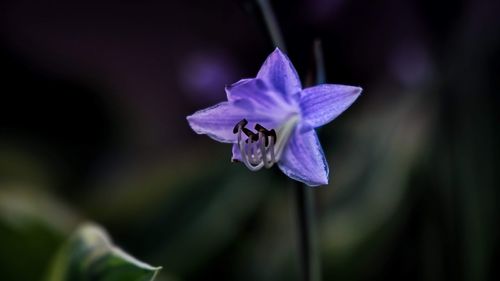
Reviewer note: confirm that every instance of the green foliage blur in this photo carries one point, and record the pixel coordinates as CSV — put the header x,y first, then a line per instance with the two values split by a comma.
x,y
90,255
93,129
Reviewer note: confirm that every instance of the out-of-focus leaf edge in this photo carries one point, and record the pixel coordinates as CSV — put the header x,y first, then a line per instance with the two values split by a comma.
x,y
92,236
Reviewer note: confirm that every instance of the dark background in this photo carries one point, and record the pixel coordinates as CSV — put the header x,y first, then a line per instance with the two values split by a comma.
x,y
94,96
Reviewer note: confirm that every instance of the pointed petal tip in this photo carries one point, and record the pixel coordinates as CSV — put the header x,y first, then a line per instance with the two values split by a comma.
x,y
192,119
354,90
310,182
189,119
317,184
278,72
321,180
304,160
279,53
216,122
277,50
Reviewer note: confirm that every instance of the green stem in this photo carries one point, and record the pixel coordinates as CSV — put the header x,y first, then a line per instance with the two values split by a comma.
x,y
311,268
272,24
305,200
319,62
311,265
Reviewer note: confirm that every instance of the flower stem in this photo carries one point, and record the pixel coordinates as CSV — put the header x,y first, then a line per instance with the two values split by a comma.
x,y
319,62
306,215
272,24
311,267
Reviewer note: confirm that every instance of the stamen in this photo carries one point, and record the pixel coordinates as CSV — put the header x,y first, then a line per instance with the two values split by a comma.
x,y
261,129
263,148
267,163
272,134
254,158
243,148
250,134
239,125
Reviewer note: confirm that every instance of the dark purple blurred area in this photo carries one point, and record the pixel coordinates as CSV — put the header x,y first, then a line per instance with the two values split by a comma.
x,y
93,91
138,53
89,75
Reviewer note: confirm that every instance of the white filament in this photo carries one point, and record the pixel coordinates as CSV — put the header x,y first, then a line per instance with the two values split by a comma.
x,y
255,154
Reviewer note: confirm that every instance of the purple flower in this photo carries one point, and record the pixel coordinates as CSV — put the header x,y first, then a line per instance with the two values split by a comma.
x,y
284,117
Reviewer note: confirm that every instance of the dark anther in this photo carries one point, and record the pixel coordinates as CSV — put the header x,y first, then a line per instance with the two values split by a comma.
x,y
247,132
251,135
239,125
263,130
268,133
260,128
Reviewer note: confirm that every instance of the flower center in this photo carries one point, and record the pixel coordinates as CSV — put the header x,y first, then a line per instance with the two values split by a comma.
x,y
264,147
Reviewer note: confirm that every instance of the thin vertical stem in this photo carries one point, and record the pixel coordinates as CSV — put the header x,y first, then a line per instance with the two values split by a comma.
x,y
272,24
305,200
311,269
310,260
319,62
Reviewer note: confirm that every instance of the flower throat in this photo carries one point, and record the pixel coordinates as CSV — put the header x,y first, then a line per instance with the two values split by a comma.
x,y
264,147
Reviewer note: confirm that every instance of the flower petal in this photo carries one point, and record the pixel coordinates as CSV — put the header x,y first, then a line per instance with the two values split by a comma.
x,y
219,120
264,100
304,160
279,73
242,89
253,89
323,103
236,153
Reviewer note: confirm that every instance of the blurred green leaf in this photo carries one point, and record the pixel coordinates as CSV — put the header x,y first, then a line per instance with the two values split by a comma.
x,y
90,255
32,224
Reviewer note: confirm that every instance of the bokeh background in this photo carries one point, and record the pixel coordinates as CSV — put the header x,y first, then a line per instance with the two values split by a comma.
x,y
94,96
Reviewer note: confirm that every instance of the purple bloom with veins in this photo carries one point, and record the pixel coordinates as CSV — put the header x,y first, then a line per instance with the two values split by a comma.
x,y
283,117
